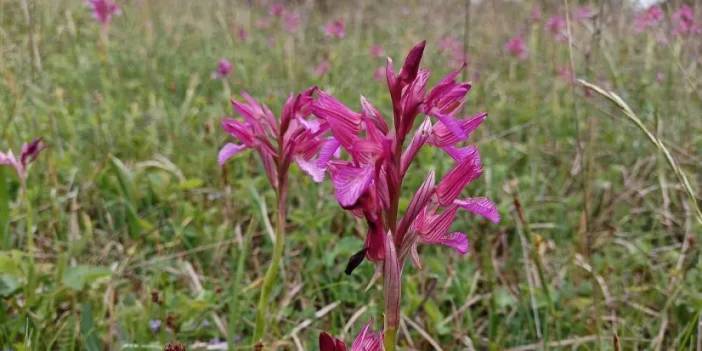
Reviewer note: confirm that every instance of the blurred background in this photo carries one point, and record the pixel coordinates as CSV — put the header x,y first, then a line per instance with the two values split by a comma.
x,y
138,233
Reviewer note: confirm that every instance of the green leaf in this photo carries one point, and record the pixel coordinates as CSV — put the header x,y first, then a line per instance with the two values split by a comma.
x,y
88,329
79,276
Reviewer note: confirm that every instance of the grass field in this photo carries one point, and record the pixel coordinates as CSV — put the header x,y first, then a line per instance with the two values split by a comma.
x,y
130,236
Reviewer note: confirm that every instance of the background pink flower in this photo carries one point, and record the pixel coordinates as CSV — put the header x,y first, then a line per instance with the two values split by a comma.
x,y
335,29
556,25
516,47
648,18
224,68
103,10
684,22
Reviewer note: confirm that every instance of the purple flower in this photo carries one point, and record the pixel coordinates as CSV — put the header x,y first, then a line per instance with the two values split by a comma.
x,y
453,48
516,47
322,68
335,29
379,73
278,142
368,179
155,325
556,24
535,15
224,68
291,21
276,9
684,23
648,18
103,10
584,12
242,34
366,340
28,154
377,51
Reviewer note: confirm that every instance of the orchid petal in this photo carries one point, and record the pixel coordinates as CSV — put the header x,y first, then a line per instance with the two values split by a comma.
x,y
459,153
228,151
443,136
344,122
481,206
419,200
350,182
311,167
464,172
457,241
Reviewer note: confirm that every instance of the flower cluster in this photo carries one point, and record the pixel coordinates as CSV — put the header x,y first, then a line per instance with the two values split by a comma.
x,y
648,18
516,46
28,154
367,340
104,10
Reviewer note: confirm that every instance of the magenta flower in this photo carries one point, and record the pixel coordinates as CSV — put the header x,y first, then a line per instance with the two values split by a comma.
x,y
377,51
584,12
368,181
453,48
278,142
263,23
322,68
366,340
379,73
535,15
335,29
291,21
28,154
684,23
516,47
276,9
556,24
242,34
648,18
103,10
224,68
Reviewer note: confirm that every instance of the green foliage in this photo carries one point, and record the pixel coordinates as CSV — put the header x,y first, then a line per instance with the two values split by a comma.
x,y
129,192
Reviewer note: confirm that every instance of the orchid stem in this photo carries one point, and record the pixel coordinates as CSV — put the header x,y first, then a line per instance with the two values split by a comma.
x,y
4,211
272,272
389,339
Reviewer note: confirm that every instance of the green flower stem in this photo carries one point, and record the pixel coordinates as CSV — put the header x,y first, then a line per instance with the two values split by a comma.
x,y
4,211
272,272
389,339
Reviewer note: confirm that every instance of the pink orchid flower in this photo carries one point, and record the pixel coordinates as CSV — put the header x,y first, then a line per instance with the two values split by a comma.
x,y
291,21
535,15
556,24
453,48
366,340
322,68
276,9
278,142
28,154
369,180
684,22
648,18
516,47
104,10
377,51
224,68
335,29
583,13
379,74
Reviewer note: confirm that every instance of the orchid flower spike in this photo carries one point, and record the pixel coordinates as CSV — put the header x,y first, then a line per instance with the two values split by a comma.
x,y
104,10
367,340
28,154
